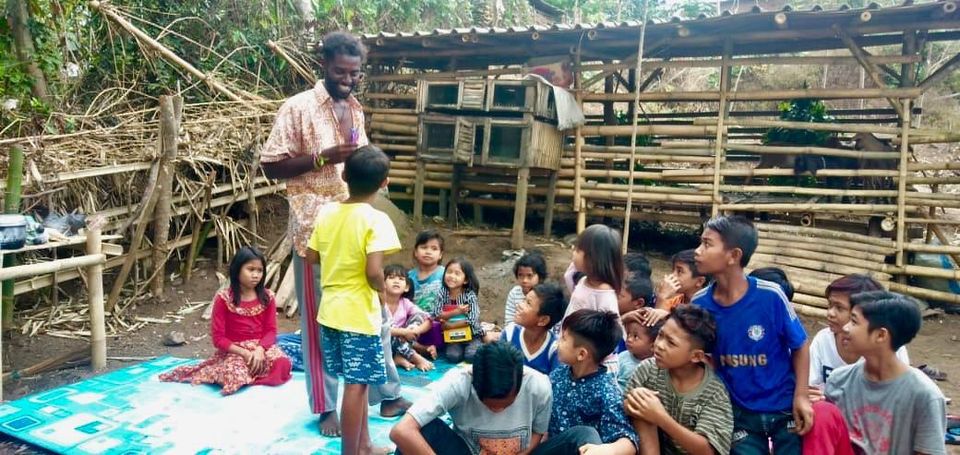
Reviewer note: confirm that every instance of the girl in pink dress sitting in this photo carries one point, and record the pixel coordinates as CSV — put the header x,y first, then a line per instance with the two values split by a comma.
x,y
244,331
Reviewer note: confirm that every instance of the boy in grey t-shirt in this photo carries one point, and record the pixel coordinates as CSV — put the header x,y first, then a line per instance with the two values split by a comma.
x,y
498,406
889,407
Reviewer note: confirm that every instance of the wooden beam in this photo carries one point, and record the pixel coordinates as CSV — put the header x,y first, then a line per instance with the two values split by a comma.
x,y
868,66
941,73
725,73
902,185
759,95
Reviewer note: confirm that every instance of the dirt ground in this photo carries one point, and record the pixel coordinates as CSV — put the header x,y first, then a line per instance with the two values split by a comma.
x,y
937,345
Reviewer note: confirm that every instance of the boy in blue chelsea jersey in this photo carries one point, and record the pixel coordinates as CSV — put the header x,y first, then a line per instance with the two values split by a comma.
x,y
761,351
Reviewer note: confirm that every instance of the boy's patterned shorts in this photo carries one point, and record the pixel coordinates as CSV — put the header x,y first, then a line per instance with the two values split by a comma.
x,y
355,356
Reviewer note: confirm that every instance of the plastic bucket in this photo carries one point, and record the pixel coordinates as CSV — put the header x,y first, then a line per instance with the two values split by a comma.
x,y
13,232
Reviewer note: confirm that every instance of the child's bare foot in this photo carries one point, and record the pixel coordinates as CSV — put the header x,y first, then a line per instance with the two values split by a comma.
x,y
429,352
402,362
393,408
330,424
376,450
432,352
421,363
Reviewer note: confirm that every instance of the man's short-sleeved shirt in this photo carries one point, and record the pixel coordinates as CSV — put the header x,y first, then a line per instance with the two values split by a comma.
x,y
906,414
705,410
755,338
506,432
824,356
345,234
306,124
594,400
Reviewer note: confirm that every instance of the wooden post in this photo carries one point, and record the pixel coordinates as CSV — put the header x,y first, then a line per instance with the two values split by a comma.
x,y
98,331
442,203
520,209
252,208
609,118
578,143
551,201
11,204
633,134
456,177
902,183
721,128
418,194
169,126
477,214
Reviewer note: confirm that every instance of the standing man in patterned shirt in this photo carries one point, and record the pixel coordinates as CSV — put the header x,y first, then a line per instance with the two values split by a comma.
x,y
314,132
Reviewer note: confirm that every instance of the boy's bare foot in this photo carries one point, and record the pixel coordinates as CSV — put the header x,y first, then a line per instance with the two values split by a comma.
x,y
376,450
421,363
329,424
402,362
393,408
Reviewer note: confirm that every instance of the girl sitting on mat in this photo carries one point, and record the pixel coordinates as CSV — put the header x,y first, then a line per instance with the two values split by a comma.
x,y
244,331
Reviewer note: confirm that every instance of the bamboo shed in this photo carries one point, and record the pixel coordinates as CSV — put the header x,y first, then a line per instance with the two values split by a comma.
x,y
684,155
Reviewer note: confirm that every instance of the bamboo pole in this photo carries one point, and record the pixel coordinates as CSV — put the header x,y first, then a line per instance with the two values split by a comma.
x,y
94,273
41,268
924,293
902,184
11,204
825,233
150,201
809,311
931,272
843,247
297,67
418,187
687,173
806,191
551,202
669,130
761,95
867,65
520,209
810,249
721,126
633,133
813,126
393,127
391,96
928,248
399,119
819,151
167,54
745,61
819,265
810,207
578,146
169,128
799,252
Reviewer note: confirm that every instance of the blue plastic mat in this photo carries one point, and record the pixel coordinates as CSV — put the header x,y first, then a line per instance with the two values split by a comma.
x,y
128,411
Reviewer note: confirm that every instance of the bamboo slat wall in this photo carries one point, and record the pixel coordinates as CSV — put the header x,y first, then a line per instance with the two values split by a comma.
x,y
686,175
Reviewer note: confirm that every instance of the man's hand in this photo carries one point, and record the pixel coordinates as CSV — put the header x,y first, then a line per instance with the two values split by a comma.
x,y
644,403
338,153
802,414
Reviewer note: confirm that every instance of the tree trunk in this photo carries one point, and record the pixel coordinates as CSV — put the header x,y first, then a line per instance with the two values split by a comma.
x,y
18,18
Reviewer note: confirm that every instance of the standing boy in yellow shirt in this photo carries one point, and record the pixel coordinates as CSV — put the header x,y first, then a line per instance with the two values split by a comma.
x,y
350,240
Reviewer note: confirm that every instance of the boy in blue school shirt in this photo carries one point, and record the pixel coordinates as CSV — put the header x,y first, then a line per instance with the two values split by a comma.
x,y
530,332
761,351
588,416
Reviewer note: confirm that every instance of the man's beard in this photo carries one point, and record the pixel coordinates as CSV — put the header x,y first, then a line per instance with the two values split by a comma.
x,y
333,88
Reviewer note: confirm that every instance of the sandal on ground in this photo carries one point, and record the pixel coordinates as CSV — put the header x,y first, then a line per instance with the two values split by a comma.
x,y
934,373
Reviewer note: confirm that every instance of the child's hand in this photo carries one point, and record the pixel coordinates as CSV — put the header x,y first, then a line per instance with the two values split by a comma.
x,y
645,404
463,309
668,287
653,316
257,362
409,335
587,449
802,414
815,394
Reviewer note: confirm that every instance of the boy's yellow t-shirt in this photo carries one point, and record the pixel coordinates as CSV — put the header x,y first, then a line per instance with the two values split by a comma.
x,y
343,235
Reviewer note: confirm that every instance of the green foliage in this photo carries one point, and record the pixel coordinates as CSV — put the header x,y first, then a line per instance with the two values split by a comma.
x,y
800,110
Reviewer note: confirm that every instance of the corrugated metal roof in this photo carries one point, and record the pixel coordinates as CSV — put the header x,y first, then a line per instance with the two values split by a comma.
x,y
686,37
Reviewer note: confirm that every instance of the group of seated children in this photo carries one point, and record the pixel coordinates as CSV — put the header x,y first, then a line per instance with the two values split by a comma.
x,y
718,367
703,367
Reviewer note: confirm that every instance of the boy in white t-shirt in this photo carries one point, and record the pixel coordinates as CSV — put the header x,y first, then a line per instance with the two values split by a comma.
x,y
496,406
827,351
